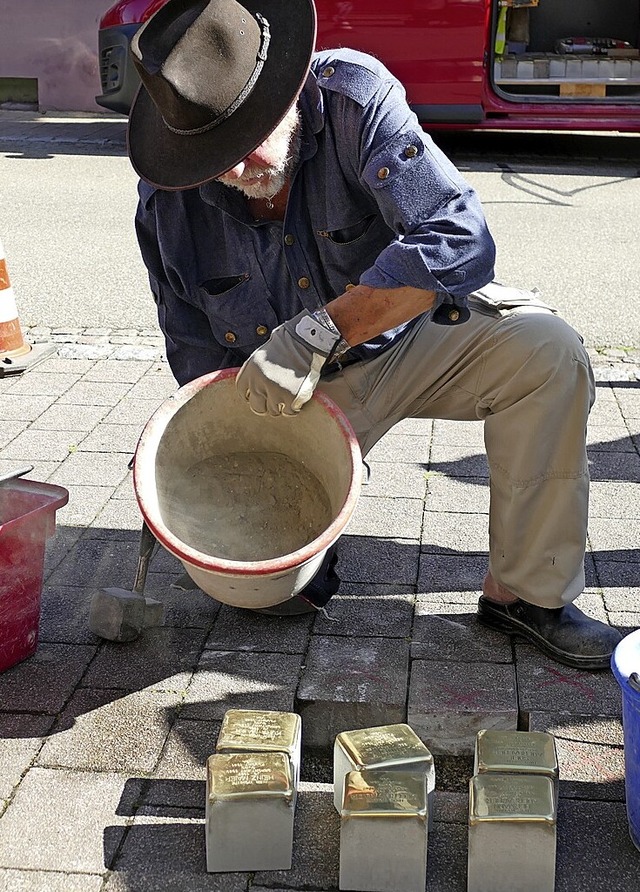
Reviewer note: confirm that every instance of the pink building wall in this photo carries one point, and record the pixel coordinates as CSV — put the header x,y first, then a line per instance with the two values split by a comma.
x,y
55,41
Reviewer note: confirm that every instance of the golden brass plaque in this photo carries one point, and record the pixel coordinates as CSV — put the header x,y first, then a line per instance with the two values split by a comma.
x,y
511,797
257,729
529,752
380,793
383,746
248,775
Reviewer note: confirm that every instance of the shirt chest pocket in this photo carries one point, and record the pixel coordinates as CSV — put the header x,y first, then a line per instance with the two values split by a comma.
x,y
238,310
350,245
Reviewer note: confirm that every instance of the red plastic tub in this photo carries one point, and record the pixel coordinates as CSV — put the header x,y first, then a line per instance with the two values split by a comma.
x,y
27,519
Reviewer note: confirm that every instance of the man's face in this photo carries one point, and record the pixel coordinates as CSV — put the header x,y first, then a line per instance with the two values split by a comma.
x,y
263,173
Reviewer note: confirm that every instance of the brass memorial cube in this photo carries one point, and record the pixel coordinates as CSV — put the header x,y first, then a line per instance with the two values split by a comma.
x,y
384,831
262,730
512,833
249,812
517,752
386,746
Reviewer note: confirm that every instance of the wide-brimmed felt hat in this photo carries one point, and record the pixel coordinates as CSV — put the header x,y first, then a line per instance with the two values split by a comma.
x,y
217,78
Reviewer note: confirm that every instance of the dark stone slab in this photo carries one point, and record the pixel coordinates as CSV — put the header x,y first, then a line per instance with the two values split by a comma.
x,y
45,681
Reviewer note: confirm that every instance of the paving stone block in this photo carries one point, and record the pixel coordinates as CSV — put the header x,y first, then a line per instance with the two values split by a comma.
x,y
614,499
21,736
98,563
38,445
367,610
21,407
10,430
316,843
452,632
46,383
112,438
83,505
398,447
45,681
95,393
613,540
100,730
362,559
455,533
122,372
547,686
157,388
121,514
41,881
455,579
450,702
246,630
396,480
186,609
464,495
350,683
59,417
594,849
179,779
609,438
458,461
130,411
79,806
161,659
92,468
239,680
388,518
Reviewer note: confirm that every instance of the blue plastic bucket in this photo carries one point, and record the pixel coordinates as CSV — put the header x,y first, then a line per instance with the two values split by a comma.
x,y
625,664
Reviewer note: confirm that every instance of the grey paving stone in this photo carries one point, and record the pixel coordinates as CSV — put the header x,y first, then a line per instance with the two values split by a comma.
x,y
458,433
60,366
179,779
464,495
83,505
383,517
41,881
101,730
590,728
415,427
594,848
398,447
239,680
166,853
64,615
21,407
121,514
111,438
188,609
42,470
623,599
625,622
396,480
590,770
447,858
159,387
544,685
605,466
79,806
613,499
367,610
450,702
161,659
605,411
38,445
21,736
629,401
95,393
609,438
122,372
455,533
45,681
452,632
613,540
97,563
387,561
92,468
454,578
351,683
134,412
592,603
458,461
45,383
10,430
61,417
57,547
236,629
316,843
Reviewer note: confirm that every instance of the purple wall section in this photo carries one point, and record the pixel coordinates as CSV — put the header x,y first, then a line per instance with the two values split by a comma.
x,y
55,41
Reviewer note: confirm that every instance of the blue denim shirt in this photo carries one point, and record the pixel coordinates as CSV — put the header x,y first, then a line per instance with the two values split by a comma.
x,y
372,201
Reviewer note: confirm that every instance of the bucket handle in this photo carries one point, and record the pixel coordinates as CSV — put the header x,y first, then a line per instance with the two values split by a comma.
x,y
11,475
634,681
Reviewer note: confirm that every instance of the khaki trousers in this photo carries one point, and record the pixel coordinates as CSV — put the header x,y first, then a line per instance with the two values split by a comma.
x,y
523,371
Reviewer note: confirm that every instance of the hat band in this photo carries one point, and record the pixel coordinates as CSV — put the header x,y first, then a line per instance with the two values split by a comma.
x,y
244,93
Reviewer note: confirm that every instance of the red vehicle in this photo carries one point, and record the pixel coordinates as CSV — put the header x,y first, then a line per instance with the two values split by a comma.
x,y
516,64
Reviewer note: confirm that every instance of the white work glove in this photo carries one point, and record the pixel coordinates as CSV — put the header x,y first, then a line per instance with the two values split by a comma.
x,y
280,377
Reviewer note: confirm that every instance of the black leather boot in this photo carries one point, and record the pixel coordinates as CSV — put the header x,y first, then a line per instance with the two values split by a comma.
x,y
564,633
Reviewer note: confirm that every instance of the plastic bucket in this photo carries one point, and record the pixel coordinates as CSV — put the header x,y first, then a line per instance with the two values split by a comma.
x,y
249,504
27,519
625,664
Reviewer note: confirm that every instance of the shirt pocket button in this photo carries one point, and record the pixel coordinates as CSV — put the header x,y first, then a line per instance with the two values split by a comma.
x,y
262,330
230,337
304,282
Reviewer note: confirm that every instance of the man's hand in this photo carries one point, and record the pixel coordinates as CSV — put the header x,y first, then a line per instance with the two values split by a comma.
x,y
280,377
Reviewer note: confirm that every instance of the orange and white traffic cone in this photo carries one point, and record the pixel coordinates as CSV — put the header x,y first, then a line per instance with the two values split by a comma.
x,y
16,355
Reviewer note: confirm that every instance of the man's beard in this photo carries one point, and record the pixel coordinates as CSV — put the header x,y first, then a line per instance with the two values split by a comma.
x,y
286,140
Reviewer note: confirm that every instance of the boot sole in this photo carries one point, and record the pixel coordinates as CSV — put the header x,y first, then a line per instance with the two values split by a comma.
x,y
513,627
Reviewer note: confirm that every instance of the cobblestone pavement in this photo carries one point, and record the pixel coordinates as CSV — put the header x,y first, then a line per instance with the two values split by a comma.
x,y
103,746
